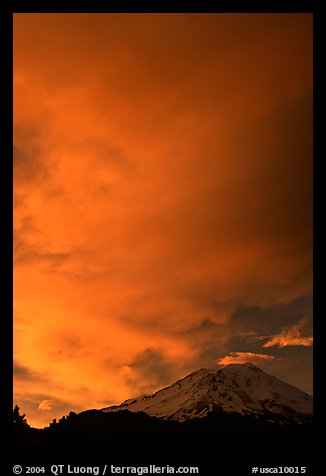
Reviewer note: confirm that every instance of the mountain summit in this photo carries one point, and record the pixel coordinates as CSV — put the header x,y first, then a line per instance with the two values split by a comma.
x,y
235,388
211,417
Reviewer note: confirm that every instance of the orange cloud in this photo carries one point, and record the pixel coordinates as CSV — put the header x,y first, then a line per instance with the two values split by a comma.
x,y
243,357
161,162
46,405
299,334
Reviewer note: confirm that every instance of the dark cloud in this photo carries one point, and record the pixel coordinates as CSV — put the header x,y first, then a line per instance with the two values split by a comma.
x,y
75,263
154,368
298,334
23,373
25,253
27,375
30,168
248,328
270,319
204,327
278,189
296,366
208,338
69,346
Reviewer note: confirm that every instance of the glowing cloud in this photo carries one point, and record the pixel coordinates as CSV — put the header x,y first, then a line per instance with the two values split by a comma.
x,y
46,405
299,334
243,357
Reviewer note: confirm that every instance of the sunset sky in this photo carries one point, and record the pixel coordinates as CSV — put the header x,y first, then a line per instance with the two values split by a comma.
x,y
162,202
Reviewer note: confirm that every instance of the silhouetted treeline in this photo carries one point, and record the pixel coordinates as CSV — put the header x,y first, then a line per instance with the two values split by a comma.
x,y
136,438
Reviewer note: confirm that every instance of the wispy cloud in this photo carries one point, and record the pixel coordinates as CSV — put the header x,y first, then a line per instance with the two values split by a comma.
x,y
243,357
46,405
299,334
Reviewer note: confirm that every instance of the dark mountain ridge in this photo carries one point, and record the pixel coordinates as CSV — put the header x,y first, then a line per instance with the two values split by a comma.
x,y
212,436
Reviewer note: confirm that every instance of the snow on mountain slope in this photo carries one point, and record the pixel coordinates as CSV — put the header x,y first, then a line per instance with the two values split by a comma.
x,y
233,388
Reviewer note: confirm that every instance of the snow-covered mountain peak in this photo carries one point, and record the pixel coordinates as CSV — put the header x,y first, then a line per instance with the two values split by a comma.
x,y
233,388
